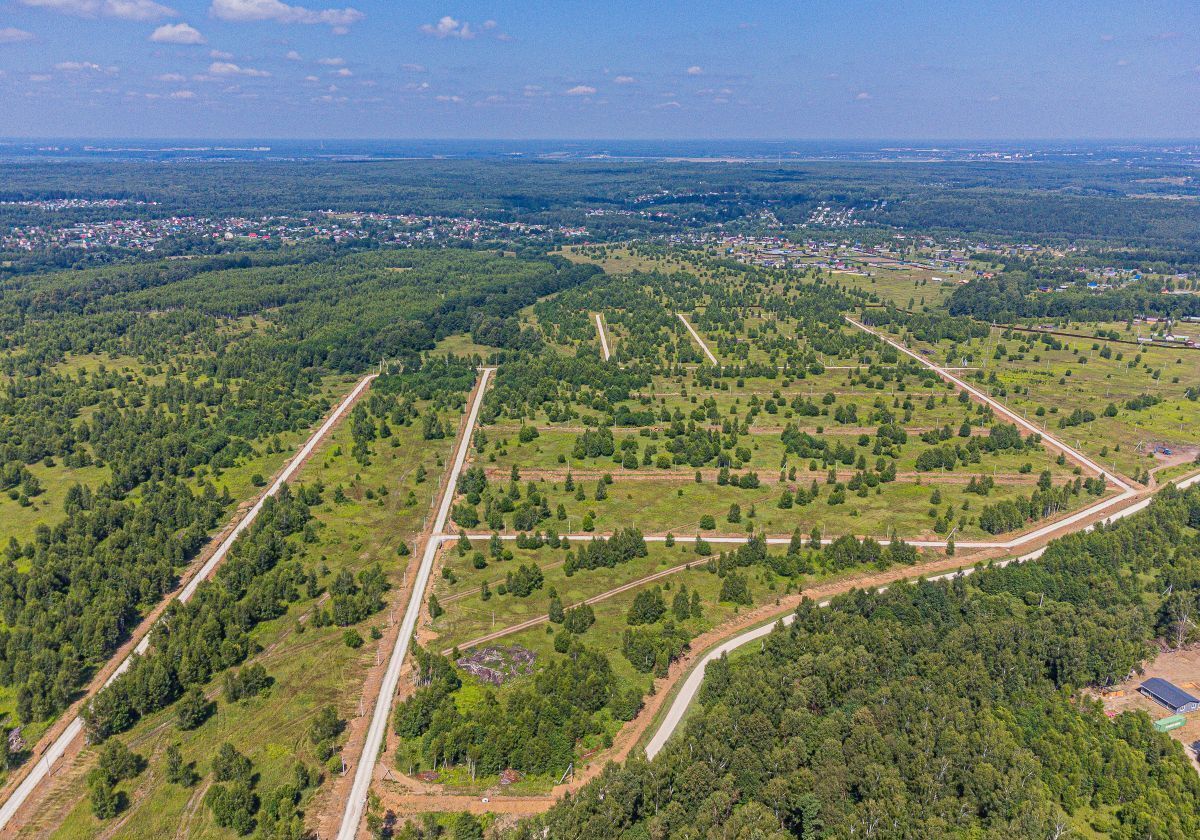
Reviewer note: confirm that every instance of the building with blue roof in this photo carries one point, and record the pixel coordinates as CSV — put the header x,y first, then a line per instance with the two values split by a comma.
x,y
1170,695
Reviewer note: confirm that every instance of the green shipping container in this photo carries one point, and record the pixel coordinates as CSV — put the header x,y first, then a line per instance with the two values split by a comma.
x,y
1169,723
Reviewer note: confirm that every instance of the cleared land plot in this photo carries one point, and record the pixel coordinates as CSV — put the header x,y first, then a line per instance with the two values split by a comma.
x,y
1076,377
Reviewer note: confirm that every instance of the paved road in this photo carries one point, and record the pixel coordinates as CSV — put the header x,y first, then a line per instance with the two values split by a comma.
x,y
391,678
603,337
699,340
75,728
694,679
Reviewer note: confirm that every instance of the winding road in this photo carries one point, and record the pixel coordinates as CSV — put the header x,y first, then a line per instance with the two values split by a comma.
x,y
679,705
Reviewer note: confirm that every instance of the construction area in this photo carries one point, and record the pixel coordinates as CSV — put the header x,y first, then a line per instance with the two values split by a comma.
x,y
1179,667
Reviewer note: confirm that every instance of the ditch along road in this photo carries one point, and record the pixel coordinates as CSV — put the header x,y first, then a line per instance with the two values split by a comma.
x,y
68,732
364,771
603,337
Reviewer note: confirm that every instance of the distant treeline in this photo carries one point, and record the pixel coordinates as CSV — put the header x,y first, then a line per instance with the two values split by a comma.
x,y
1011,296
1060,201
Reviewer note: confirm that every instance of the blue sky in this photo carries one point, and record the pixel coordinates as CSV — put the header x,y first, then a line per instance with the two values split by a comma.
x,y
378,69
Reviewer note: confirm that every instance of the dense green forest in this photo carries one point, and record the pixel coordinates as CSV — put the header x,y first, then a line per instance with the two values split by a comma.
x,y
934,710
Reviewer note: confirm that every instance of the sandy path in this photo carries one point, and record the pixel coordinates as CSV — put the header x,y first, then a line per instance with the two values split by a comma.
x,y
64,739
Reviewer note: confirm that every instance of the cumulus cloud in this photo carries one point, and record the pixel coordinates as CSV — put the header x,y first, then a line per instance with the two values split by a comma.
x,y
173,78
624,80
176,33
12,35
280,12
671,104
695,70
123,9
228,68
344,72
183,94
220,55
331,62
581,90
292,55
863,96
413,68
448,27
444,98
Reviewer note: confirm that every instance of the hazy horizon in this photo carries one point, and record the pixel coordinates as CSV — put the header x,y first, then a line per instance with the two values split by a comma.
x,y
763,70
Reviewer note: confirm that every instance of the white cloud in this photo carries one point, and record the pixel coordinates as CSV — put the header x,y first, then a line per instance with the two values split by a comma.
x,y
137,10
695,70
176,33
226,68
183,94
863,96
172,78
581,90
311,79
331,62
1107,38
12,35
292,55
624,80
413,68
448,27
490,24
123,9
220,55
671,104
444,98
83,67
40,77
280,12
344,72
